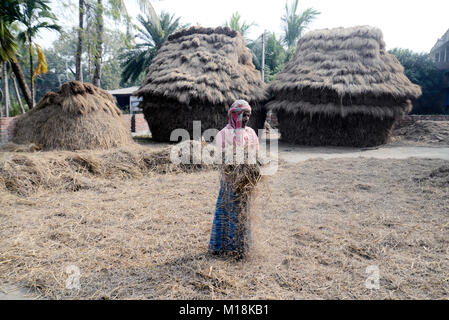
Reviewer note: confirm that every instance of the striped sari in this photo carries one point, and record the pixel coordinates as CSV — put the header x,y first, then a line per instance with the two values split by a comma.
x,y
230,229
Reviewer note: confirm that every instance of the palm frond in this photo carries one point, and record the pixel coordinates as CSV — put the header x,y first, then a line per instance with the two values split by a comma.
x,y
8,45
41,62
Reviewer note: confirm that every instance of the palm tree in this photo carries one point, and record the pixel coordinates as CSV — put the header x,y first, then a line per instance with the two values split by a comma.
x,y
295,24
10,13
33,14
274,55
241,27
138,59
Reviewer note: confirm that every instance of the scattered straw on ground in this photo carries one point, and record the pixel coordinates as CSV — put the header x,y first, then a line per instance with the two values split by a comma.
x,y
23,173
320,224
422,133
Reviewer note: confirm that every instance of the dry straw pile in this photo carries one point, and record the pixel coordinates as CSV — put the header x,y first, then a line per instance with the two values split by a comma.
x,y
196,75
78,116
341,88
25,173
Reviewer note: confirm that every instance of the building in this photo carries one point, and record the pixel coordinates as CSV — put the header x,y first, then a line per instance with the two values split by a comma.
x,y
125,100
440,53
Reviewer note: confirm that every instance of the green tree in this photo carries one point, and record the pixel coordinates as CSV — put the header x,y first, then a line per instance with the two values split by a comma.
x,y
421,70
61,60
241,26
137,60
35,16
274,55
9,14
295,24
117,9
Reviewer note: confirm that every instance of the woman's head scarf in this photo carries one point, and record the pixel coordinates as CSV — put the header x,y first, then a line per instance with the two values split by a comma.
x,y
235,113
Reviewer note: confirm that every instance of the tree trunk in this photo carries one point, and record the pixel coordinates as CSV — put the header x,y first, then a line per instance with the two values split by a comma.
x,y
31,73
7,98
22,82
262,69
19,100
99,48
79,49
1,92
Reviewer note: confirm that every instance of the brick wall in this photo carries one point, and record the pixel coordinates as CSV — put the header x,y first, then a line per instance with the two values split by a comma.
x,y
7,128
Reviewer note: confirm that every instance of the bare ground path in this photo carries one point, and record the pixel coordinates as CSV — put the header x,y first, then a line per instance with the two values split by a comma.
x,y
296,154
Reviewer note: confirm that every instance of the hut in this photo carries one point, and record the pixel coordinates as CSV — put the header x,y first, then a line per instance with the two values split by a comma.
x,y
341,88
78,116
197,74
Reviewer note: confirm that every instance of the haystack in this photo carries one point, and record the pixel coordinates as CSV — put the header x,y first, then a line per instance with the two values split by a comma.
x,y
78,116
341,88
197,74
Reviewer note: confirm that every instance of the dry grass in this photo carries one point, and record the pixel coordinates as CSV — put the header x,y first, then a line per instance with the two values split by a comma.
x,y
23,173
342,71
78,116
318,226
422,133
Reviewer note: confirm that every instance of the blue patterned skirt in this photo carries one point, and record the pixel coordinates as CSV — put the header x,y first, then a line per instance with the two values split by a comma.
x,y
230,229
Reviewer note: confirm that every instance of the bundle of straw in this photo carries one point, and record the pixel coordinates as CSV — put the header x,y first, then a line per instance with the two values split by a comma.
x,y
243,175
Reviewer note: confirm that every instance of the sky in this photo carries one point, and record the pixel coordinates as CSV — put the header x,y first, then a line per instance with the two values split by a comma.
x,y
411,24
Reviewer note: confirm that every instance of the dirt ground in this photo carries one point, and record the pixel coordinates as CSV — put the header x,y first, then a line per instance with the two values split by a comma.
x,y
319,226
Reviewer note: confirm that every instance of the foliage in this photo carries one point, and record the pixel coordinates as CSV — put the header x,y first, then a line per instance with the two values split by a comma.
x,y
274,55
9,13
41,67
295,24
421,70
137,60
61,62
241,27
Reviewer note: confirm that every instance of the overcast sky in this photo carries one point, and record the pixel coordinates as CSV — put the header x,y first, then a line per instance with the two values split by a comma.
x,y
415,25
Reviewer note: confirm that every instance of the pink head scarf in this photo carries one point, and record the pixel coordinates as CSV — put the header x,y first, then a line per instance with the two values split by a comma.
x,y
235,113
233,133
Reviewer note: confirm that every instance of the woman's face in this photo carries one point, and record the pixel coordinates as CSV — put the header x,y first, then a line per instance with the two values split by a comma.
x,y
245,118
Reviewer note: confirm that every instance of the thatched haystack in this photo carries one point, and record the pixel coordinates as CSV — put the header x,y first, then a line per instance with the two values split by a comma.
x,y
78,116
341,88
197,74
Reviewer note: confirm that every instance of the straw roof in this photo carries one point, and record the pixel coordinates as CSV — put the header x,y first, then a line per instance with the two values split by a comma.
x,y
211,65
78,116
343,71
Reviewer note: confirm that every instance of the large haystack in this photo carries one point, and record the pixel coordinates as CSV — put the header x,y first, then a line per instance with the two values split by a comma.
x,y
341,88
197,74
78,116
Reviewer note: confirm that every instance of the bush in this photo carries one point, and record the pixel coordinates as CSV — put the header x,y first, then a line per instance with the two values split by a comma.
x,y
421,70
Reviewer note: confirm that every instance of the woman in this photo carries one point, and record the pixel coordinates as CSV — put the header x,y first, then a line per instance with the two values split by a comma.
x,y
230,230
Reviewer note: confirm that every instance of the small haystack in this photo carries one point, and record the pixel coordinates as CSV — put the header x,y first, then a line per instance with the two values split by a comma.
x,y
197,74
78,116
341,88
